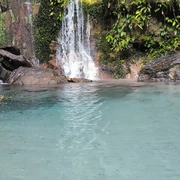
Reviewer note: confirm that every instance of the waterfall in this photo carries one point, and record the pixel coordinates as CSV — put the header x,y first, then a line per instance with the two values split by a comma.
x,y
73,53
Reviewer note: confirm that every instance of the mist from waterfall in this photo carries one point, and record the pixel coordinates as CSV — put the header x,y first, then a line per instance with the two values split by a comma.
x,y
73,53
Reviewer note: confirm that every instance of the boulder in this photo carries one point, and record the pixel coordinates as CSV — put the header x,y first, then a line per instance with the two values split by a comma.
x,y
11,59
106,71
78,80
36,76
4,74
166,68
51,64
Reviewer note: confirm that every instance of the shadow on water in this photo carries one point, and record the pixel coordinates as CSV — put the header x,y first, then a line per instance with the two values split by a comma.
x,y
22,98
31,97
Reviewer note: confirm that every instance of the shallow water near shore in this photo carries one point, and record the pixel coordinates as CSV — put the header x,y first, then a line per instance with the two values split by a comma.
x,y
116,130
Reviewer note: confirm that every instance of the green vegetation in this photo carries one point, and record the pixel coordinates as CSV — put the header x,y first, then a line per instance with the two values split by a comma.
x,y
48,22
131,28
123,28
47,26
3,33
149,26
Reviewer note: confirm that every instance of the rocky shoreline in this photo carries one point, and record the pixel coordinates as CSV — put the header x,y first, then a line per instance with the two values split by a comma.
x,y
164,69
15,69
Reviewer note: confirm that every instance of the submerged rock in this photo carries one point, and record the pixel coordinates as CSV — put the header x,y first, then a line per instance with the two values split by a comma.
x,y
166,68
36,75
1,97
78,80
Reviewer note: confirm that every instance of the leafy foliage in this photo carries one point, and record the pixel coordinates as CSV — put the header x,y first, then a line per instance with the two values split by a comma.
x,y
149,26
47,26
3,33
153,25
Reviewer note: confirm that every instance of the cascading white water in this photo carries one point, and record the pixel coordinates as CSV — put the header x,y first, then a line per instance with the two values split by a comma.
x,y
73,53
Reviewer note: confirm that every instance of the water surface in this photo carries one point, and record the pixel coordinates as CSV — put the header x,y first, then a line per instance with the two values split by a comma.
x,y
92,131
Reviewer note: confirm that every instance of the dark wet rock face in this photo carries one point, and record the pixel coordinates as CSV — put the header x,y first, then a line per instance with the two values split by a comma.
x,y
166,68
4,74
11,59
36,75
19,27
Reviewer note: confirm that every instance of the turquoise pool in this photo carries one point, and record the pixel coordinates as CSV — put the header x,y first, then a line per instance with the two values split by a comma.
x,y
93,131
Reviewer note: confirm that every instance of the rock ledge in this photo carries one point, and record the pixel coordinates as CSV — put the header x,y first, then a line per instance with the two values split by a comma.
x,y
165,69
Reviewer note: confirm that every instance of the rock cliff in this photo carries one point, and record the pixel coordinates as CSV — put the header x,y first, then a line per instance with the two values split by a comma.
x,y
166,68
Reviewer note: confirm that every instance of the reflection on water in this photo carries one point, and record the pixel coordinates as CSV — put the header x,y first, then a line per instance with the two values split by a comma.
x,y
93,131
22,98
